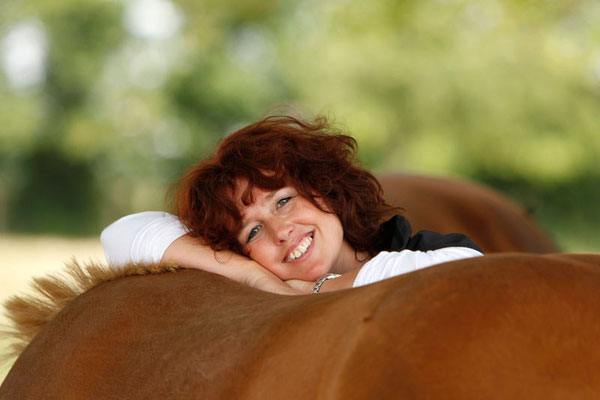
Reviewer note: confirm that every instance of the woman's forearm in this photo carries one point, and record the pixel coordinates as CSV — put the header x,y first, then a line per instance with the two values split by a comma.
x,y
387,265
157,236
190,252
390,264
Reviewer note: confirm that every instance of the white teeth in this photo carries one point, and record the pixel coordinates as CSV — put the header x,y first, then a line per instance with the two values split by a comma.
x,y
300,249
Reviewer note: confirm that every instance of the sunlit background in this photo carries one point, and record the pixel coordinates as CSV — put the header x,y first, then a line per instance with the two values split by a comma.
x,y
105,102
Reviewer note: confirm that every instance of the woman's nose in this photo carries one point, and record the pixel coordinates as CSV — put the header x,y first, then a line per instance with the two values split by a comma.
x,y
282,230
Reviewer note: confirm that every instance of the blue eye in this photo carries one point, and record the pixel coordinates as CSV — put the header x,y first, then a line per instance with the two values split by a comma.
x,y
253,232
283,201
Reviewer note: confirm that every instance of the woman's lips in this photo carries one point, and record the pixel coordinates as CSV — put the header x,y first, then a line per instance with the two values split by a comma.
x,y
301,248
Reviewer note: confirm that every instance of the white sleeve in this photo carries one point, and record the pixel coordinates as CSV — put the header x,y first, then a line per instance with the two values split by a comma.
x,y
389,264
141,237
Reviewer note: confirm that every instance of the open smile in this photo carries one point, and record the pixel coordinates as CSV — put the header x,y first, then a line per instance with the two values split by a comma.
x,y
301,249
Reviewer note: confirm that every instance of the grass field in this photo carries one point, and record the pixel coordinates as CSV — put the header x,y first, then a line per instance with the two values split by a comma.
x,y
25,257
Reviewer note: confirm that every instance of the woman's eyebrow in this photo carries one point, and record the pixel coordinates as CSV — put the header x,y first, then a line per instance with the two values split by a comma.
x,y
268,197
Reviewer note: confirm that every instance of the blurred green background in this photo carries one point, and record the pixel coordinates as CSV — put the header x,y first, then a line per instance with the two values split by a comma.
x,y
105,102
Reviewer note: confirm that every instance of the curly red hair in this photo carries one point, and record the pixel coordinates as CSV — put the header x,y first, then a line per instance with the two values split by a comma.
x,y
319,162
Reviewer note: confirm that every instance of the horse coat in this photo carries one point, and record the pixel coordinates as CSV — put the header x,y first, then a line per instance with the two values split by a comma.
x,y
495,327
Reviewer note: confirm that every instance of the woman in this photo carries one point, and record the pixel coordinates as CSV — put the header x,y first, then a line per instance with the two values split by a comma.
x,y
283,206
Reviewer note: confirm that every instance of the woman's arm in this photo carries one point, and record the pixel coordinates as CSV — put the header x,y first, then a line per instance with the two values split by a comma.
x,y
141,237
386,265
189,252
389,264
158,236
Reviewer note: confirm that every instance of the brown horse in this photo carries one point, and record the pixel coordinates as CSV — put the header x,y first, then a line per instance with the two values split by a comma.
x,y
493,221
495,327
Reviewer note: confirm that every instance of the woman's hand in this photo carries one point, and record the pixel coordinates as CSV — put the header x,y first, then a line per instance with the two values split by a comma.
x,y
189,252
267,281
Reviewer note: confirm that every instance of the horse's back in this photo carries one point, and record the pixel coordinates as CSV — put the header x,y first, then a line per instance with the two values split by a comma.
x,y
187,334
487,327
496,327
494,222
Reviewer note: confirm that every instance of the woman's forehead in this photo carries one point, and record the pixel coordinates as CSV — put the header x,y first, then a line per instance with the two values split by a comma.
x,y
247,190
245,195
252,201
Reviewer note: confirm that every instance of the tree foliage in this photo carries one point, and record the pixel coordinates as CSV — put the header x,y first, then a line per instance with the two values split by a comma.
x,y
503,91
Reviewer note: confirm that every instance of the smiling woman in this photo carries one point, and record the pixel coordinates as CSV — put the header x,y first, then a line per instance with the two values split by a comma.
x,y
292,238
280,205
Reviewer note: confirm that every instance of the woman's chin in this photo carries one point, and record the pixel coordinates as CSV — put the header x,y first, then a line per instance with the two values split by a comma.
x,y
316,272
304,271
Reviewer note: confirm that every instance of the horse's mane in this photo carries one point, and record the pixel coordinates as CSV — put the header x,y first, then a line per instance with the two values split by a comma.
x,y
27,314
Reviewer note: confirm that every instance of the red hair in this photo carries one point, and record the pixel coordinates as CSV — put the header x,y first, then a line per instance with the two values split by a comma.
x,y
316,160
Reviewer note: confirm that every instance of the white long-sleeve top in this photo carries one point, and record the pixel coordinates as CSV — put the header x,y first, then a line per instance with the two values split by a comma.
x,y
141,237
145,236
388,264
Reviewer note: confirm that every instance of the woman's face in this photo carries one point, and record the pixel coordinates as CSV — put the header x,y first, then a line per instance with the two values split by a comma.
x,y
288,235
